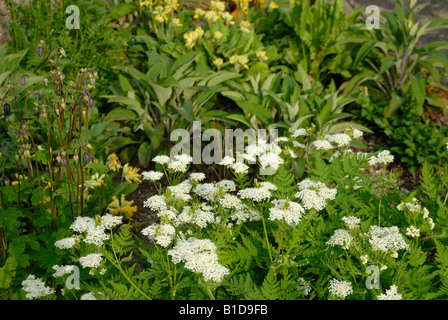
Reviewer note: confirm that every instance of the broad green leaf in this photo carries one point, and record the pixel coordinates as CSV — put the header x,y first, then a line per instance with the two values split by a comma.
x,y
418,89
144,153
120,114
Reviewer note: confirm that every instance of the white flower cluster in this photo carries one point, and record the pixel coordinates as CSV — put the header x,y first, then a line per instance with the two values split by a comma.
x,y
341,139
94,234
314,194
162,234
62,270
289,211
179,163
351,222
244,214
303,285
340,289
341,237
387,239
258,194
152,175
66,243
391,294
199,256
384,157
199,216
35,287
156,203
414,207
92,260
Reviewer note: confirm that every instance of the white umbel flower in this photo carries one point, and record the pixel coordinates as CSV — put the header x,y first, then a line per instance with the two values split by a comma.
x,y
351,222
289,211
341,139
198,216
340,289
82,224
66,243
92,260
109,221
199,256
314,194
35,287
62,270
391,294
341,237
387,239
162,234
245,214
384,158
163,160
96,235
156,203
152,175
322,145
413,232
88,296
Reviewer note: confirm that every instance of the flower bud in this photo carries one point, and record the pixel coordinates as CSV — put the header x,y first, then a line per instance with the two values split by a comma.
x,y
40,52
90,102
38,96
7,109
22,81
87,157
63,162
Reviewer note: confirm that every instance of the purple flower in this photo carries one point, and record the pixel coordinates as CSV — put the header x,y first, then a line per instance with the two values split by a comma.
x,y
7,109
22,80
40,52
38,96
87,157
90,102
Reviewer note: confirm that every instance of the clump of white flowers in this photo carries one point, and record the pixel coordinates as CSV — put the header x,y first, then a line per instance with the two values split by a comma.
x,y
314,194
92,260
152,175
391,294
162,234
62,270
289,211
341,237
340,289
384,158
199,256
35,288
258,194
351,222
387,240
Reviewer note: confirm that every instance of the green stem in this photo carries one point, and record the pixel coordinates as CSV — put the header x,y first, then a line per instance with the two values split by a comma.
x,y
266,237
128,279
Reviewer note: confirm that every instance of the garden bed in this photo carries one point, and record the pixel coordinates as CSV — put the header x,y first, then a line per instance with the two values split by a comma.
x,y
341,169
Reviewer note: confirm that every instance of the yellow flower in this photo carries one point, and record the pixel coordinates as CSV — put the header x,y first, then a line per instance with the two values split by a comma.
x,y
218,62
113,162
261,54
130,174
122,206
218,35
273,5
